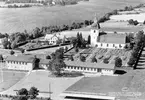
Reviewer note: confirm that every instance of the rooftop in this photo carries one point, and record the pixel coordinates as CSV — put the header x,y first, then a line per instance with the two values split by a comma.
x,y
89,65
113,38
105,85
20,58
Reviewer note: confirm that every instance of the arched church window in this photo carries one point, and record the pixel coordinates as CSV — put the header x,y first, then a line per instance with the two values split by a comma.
x,y
94,31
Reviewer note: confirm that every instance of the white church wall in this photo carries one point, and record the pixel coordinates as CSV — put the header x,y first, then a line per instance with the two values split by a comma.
x,y
110,45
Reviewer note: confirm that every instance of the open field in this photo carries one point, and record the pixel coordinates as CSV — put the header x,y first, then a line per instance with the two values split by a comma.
x,y
138,17
41,80
10,78
13,20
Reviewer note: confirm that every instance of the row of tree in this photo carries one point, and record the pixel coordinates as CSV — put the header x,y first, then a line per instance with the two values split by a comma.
x,y
15,39
139,42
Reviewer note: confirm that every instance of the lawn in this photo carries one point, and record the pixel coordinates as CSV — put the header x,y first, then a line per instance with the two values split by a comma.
x,y
10,78
41,80
46,51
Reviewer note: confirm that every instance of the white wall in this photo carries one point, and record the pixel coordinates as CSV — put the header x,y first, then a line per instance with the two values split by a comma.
x,y
110,45
43,66
107,72
19,65
94,37
103,71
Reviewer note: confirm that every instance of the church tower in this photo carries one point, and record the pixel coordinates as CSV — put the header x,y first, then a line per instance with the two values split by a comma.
x,y
95,29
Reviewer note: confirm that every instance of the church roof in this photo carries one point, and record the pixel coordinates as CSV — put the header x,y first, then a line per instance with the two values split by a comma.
x,y
113,38
21,58
96,25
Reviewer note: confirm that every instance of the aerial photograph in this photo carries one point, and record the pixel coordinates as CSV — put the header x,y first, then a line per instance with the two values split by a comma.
x,y
72,49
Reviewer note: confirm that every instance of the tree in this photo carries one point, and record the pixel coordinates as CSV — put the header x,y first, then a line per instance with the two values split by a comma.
x,y
144,22
86,22
71,58
94,60
22,91
66,49
5,43
76,49
82,58
22,51
132,22
89,39
57,63
12,52
13,45
118,62
48,57
33,92
106,61
1,58
35,63
131,61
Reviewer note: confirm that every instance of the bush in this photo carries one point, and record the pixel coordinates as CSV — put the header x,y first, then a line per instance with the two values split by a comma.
x,y
118,62
48,57
132,22
12,52
106,61
82,58
94,60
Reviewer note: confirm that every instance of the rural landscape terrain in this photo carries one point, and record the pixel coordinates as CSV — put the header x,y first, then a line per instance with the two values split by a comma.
x,y
72,50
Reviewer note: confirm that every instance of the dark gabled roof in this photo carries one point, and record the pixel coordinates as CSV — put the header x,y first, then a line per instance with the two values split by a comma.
x,y
90,65
20,58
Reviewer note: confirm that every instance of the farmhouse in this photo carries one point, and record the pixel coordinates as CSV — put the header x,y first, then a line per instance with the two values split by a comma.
x,y
129,85
54,38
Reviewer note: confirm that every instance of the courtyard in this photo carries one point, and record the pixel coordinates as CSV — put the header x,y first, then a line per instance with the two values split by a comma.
x,y
100,54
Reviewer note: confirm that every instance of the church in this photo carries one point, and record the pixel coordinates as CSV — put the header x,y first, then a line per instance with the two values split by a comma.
x,y
102,39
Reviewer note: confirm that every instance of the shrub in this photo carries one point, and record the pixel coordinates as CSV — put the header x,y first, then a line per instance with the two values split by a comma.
x,y
106,61
82,58
12,52
94,60
118,62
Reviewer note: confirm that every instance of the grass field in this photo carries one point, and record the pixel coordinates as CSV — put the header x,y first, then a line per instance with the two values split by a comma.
x,y
13,20
10,78
41,80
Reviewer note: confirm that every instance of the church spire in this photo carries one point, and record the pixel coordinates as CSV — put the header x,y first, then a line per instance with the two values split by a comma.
x,y
96,23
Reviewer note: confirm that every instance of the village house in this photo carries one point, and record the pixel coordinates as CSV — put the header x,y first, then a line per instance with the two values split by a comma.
x,y
55,38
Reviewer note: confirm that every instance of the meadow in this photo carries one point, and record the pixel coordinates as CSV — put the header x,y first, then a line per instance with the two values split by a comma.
x,y
19,19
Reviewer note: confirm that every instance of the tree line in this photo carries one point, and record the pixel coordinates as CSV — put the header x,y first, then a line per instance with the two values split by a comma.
x,y
15,39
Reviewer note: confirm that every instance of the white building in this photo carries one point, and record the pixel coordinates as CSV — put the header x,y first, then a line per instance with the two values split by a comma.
x,y
101,39
54,38
86,67
19,62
